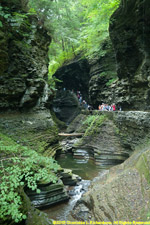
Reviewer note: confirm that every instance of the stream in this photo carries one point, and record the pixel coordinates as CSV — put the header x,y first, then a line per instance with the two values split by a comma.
x,y
82,164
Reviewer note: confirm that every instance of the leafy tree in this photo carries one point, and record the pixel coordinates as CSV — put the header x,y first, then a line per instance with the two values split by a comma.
x,y
75,26
96,22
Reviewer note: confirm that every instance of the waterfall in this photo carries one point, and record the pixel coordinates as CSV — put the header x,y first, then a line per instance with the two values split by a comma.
x,y
43,99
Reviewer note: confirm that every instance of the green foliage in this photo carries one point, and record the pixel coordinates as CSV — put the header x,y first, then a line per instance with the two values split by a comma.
x,y
103,74
93,122
20,167
95,30
75,26
59,60
111,81
89,120
4,14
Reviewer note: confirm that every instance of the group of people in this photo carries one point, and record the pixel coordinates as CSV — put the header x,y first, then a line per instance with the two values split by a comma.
x,y
106,107
102,107
82,102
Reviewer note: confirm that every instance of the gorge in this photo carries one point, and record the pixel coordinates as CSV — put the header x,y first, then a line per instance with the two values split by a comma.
x,y
34,111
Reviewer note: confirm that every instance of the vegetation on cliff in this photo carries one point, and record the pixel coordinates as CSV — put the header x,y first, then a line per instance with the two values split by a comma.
x,y
21,167
75,26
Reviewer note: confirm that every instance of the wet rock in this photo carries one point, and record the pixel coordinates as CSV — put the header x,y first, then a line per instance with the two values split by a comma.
x,y
82,214
133,128
67,144
36,130
66,105
69,178
50,194
122,194
124,129
102,71
105,151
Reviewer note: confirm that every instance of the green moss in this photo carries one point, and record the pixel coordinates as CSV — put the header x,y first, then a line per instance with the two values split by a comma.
x,y
95,123
60,124
43,141
117,131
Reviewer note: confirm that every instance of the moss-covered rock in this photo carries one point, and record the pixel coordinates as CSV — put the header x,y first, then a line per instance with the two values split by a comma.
x,y
23,58
35,130
97,128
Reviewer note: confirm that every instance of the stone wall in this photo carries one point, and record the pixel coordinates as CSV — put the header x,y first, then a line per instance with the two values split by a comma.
x,y
130,33
111,136
23,59
102,71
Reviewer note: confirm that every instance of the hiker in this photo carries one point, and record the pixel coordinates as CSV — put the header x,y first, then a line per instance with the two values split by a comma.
x,y
90,108
119,108
99,107
114,107
80,99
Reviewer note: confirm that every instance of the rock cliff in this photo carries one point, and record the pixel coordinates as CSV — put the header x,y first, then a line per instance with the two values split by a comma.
x,y
129,57
123,192
74,77
130,32
23,58
24,90
66,105
92,77
102,74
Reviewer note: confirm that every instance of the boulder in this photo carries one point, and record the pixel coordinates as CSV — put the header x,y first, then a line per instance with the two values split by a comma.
x,y
122,194
66,105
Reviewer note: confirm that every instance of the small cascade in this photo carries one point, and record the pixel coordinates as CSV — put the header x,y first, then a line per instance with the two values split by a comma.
x,y
43,99
62,211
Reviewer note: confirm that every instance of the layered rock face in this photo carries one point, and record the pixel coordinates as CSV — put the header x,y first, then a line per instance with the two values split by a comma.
x,y
90,77
23,59
74,77
102,73
23,77
130,33
123,192
97,128
111,137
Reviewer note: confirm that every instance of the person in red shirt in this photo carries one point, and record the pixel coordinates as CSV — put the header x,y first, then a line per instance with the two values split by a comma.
x,y
114,107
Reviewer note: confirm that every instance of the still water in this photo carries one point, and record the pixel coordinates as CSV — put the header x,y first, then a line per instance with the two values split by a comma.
x,y
81,163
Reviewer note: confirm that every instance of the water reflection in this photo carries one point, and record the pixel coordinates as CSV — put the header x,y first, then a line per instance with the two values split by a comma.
x,y
80,162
